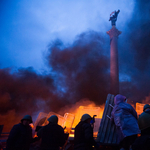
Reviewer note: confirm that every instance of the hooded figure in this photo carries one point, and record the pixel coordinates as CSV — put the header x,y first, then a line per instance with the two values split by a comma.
x,y
83,138
52,135
125,119
20,136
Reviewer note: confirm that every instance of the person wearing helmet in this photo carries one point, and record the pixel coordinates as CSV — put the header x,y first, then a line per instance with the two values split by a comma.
x,y
125,119
52,135
144,120
20,136
83,137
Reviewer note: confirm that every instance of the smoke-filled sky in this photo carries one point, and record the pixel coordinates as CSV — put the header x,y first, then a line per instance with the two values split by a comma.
x,y
27,27
55,53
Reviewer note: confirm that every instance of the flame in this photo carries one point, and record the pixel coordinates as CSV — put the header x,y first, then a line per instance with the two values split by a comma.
x,y
71,119
76,112
91,109
82,107
139,108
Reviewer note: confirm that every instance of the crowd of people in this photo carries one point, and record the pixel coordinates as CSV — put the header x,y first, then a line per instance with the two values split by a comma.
x,y
52,136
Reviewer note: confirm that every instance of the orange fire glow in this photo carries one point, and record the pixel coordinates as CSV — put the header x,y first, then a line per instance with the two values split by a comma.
x,y
91,110
71,119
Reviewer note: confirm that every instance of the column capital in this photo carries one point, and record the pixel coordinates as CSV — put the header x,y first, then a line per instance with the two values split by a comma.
x,y
113,32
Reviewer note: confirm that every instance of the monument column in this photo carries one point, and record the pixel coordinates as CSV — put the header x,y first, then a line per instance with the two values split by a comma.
x,y
114,68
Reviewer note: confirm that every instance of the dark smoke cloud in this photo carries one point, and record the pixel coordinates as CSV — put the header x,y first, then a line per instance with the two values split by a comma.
x,y
78,71
22,90
82,69
135,53
26,92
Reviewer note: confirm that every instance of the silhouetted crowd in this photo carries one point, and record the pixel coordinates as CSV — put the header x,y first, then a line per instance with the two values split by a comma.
x,y
133,131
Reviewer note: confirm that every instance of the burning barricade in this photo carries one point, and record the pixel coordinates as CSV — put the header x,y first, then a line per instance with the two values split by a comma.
x,y
102,130
69,121
65,121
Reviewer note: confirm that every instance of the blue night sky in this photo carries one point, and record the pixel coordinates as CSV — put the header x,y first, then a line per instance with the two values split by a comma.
x,y
27,27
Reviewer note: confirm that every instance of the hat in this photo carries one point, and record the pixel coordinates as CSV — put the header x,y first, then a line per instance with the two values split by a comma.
x,y
146,106
53,119
27,117
85,117
119,98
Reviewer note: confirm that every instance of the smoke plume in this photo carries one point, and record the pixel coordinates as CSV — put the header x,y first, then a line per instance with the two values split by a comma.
x,y
135,54
82,69
78,71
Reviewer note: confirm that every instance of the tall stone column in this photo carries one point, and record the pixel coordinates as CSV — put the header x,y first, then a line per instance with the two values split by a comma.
x,y
114,69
